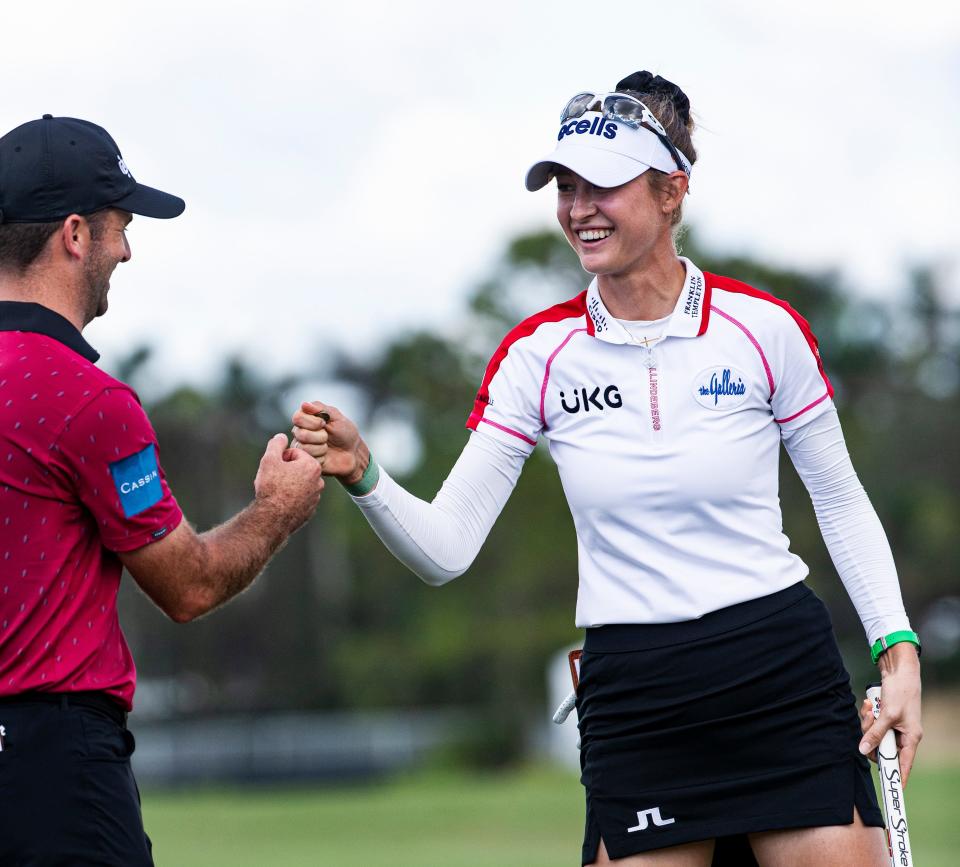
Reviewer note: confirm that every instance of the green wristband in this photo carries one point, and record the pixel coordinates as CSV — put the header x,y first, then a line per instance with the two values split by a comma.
x,y
882,643
368,481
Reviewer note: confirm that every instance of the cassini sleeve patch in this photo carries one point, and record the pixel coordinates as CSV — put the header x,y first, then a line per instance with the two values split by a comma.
x,y
137,479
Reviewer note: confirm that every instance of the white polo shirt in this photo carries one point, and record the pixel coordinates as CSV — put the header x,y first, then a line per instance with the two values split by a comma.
x,y
668,453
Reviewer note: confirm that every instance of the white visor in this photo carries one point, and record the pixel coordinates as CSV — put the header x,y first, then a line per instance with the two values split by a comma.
x,y
605,152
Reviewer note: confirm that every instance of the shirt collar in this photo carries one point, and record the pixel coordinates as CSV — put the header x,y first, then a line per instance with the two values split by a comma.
x,y
37,319
687,319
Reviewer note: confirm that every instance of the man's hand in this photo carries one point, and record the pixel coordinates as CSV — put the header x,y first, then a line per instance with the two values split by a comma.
x,y
188,574
337,442
289,482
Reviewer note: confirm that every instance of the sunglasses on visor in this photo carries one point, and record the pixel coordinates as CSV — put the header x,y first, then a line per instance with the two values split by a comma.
x,y
627,110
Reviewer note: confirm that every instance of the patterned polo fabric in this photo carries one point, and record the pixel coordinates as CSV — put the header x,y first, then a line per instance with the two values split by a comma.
x,y
80,480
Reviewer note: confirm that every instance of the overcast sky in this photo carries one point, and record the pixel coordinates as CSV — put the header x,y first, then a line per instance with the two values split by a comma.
x,y
352,169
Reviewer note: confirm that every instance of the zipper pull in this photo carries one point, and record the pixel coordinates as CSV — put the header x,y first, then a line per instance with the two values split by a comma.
x,y
648,360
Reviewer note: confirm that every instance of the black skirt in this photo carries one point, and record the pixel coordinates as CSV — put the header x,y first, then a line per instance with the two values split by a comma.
x,y
738,722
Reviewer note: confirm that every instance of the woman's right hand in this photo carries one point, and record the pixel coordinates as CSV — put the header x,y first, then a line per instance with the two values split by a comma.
x,y
899,706
337,442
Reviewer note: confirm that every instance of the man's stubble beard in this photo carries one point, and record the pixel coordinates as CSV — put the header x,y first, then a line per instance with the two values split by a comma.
x,y
97,271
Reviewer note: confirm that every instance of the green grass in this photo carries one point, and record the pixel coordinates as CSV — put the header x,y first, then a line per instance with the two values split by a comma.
x,y
932,799
532,818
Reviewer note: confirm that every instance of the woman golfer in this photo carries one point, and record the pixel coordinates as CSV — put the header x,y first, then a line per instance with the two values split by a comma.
x,y
714,706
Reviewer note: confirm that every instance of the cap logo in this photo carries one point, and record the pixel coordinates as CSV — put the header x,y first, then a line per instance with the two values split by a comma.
x,y
600,126
123,167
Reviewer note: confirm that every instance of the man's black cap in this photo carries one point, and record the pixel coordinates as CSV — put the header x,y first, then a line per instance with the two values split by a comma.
x,y
57,166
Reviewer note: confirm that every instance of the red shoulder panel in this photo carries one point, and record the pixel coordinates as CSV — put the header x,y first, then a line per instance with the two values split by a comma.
x,y
728,284
567,310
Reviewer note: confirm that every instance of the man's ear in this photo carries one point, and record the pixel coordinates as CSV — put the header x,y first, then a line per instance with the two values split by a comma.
x,y
74,235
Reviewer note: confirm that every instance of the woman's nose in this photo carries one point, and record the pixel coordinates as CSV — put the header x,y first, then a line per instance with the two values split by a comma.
x,y
583,204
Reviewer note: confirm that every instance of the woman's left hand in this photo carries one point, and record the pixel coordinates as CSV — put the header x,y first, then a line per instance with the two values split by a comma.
x,y
899,706
327,434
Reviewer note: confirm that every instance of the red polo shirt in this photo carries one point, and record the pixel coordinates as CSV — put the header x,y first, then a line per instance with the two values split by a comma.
x,y
80,480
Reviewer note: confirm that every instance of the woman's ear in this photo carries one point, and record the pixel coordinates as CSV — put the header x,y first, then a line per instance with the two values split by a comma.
x,y
673,190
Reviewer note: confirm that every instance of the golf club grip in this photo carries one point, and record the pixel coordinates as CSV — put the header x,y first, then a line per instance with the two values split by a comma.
x,y
891,786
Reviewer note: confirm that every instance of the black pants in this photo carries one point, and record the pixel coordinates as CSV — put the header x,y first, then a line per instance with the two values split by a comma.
x,y
68,792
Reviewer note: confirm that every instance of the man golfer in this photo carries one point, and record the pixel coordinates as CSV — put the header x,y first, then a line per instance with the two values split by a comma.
x,y
82,495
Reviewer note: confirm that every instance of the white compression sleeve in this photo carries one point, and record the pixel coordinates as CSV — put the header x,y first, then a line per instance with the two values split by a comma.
x,y
439,540
851,529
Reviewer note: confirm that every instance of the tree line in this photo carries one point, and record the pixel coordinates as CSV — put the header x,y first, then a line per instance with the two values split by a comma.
x,y
337,623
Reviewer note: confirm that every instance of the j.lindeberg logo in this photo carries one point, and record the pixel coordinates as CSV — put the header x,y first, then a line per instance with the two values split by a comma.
x,y
720,388
123,166
611,397
643,823
599,320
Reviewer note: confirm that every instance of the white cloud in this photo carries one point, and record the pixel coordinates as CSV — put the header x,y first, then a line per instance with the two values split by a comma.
x,y
351,170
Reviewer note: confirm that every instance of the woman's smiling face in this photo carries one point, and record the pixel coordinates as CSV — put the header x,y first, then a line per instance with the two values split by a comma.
x,y
612,229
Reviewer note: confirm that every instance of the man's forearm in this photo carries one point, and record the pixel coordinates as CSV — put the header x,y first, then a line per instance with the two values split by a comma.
x,y
234,553
187,574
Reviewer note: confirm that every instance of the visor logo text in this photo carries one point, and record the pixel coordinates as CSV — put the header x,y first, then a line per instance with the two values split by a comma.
x,y
600,126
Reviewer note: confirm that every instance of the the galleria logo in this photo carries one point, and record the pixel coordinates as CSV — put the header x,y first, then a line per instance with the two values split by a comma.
x,y
720,388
